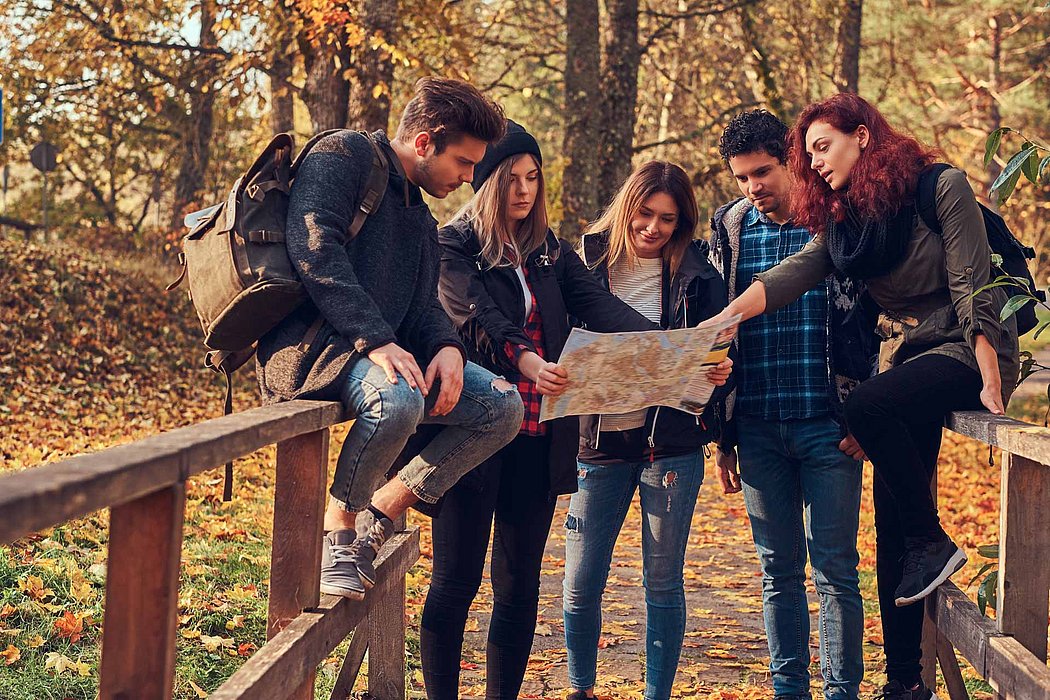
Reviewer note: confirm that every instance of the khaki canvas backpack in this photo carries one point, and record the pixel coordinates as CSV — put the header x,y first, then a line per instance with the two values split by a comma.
x,y
241,281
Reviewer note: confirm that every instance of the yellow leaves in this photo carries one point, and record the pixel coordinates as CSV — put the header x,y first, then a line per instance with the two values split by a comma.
x,y
10,655
213,644
35,642
242,593
235,622
201,693
33,586
60,663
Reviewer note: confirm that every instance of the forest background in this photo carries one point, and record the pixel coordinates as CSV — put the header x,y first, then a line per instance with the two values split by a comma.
x,y
156,107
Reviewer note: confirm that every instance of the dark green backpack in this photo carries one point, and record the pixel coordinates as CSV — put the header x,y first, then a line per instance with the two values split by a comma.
x,y
241,280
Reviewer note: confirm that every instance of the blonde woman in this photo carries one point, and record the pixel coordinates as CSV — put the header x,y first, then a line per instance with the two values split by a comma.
x,y
642,248
508,284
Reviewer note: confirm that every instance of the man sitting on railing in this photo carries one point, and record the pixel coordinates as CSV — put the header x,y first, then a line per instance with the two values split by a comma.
x,y
373,320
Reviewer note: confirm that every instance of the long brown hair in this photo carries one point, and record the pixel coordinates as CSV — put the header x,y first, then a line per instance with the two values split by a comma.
x,y
883,178
647,180
503,245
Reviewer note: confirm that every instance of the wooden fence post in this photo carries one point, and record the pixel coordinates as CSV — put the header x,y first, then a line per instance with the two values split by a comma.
x,y
929,627
142,592
1024,553
386,639
298,519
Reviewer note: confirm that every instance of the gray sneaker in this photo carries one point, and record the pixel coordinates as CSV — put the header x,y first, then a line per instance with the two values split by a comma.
x,y
347,558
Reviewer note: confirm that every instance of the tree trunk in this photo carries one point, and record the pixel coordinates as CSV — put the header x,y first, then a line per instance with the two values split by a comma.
x,y
763,83
619,93
196,134
369,107
282,63
326,92
847,71
995,119
579,193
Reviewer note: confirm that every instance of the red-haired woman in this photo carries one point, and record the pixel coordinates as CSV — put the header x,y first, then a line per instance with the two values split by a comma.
x,y
944,348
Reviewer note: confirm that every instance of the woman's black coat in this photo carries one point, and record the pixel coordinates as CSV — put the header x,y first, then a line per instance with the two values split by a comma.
x,y
487,306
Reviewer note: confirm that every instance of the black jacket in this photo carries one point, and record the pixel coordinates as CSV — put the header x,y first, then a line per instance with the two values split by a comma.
x,y
379,288
694,294
487,305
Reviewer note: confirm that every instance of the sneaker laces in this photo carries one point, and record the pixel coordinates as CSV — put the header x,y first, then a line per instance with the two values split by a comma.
x,y
374,537
344,553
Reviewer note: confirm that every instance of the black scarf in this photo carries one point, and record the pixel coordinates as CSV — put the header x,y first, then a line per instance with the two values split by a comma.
x,y
863,248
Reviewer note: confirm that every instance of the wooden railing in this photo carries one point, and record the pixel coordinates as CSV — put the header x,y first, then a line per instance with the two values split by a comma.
x,y
1009,652
144,485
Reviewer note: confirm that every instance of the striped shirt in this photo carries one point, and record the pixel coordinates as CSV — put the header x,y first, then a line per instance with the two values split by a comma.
x,y
783,355
639,286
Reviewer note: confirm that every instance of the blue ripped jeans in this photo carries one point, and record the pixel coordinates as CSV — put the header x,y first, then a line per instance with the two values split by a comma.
x,y
386,415
667,490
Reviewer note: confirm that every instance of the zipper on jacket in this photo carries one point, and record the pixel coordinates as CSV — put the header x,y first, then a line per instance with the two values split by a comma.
x,y
598,433
652,434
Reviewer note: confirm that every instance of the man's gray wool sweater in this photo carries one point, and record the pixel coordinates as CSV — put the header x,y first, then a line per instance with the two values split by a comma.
x,y
381,288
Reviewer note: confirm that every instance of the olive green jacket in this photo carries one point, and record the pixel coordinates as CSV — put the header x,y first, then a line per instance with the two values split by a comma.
x,y
927,300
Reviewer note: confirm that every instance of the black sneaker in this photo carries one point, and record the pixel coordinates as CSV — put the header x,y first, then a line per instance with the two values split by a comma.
x,y
895,690
578,695
927,564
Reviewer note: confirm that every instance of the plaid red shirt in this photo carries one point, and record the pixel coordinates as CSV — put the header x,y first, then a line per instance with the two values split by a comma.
x,y
530,395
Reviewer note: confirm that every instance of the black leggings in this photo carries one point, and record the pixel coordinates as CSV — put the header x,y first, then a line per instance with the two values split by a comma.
x,y
896,418
516,492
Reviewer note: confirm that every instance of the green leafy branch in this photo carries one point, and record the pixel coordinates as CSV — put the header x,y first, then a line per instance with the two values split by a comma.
x,y
1028,160
988,591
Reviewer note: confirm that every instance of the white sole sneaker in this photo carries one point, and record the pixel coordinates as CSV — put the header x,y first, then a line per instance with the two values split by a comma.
x,y
344,592
956,562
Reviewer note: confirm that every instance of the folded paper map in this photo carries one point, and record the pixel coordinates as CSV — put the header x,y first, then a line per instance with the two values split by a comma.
x,y
621,372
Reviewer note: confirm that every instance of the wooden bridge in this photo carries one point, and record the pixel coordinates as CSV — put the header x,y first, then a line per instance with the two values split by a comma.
x,y
144,485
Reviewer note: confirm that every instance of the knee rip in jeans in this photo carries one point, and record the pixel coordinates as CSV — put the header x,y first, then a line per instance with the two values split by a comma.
x,y
502,386
573,524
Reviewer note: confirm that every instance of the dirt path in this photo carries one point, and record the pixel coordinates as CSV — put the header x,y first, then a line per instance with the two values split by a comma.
x,y
725,641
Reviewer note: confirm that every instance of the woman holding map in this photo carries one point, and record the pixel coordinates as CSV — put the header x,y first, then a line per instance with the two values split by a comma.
x,y
642,249
508,284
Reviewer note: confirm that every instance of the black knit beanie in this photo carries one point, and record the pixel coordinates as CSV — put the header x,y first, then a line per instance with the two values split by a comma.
x,y
516,141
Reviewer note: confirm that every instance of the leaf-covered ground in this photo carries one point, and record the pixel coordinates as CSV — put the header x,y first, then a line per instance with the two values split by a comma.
x,y
93,354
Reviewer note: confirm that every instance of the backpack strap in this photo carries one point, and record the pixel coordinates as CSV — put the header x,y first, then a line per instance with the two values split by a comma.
x,y
375,188
226,363
926,195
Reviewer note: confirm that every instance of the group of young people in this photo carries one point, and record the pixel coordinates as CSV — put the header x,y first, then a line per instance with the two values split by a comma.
x,y
823,250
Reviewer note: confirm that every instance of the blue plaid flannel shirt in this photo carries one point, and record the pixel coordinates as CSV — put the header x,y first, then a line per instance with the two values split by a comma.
x,y
784,355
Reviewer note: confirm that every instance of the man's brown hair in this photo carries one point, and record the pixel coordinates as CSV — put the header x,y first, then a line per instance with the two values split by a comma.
x,y
449,109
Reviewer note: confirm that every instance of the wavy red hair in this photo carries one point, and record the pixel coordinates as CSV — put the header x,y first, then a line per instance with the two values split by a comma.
x,y
883,179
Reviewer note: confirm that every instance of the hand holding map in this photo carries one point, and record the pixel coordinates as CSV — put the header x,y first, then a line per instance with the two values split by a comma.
x,y
621,372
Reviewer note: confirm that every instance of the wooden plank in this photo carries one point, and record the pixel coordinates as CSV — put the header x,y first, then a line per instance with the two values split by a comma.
x,y
953,679
284,662
1017,437
1024,553
1014,672
929,627
962,624
295,561
386,645
138,648
39,498
1009,668
355,656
